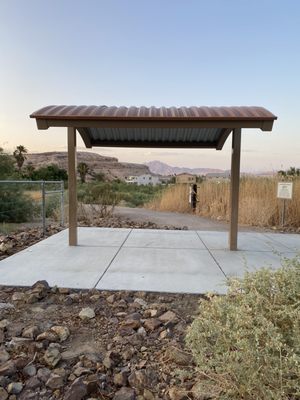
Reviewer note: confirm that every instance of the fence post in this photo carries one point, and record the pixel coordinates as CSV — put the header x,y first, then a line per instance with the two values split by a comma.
x,y
62,206
44,208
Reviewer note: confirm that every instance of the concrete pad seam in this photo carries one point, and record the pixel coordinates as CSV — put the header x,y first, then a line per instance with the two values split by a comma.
x,y
212,256
112,260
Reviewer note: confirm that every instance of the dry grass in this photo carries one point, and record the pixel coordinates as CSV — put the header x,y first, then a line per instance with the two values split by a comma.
x,y
172,199
259,205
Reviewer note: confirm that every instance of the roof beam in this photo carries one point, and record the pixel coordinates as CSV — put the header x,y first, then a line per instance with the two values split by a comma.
x,y
223,137
81,123
154,144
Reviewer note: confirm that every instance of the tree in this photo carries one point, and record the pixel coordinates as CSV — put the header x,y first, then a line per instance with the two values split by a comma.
x,y
49,173
29,171
6,165
83,170
20,156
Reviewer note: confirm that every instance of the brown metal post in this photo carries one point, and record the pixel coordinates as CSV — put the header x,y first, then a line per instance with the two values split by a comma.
x,y
234,187
72,186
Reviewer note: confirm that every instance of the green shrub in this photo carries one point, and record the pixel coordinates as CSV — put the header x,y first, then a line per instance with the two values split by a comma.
x,y
15,206
246,344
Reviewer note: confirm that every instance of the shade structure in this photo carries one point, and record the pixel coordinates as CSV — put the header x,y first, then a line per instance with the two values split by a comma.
x,y
156,127
186,127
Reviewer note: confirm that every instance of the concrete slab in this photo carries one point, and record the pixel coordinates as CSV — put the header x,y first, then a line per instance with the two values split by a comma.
x,y
165,270
103,237
140,259
292,241
236,263
252,241
164,239
74,267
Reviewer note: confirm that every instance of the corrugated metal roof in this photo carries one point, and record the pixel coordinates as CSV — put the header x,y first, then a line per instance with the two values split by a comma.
x,y
202,127
154,113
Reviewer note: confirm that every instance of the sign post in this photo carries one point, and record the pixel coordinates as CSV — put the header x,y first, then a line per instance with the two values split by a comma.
x,y
285,192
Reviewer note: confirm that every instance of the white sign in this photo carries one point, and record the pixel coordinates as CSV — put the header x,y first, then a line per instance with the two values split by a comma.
x,y
285,190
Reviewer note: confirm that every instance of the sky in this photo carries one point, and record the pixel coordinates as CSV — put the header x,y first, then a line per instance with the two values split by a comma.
x,y
153,52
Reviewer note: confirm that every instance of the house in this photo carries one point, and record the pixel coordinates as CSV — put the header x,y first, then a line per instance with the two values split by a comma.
x,y
186,178
145,179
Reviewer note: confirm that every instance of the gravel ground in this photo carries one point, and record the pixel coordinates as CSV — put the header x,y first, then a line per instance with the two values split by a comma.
x,y
57,343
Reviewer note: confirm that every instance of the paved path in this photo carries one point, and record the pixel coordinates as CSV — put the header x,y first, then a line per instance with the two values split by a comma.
x,y
162,218
145,259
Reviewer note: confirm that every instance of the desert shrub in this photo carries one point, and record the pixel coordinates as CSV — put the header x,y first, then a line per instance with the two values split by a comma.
x,y
246,344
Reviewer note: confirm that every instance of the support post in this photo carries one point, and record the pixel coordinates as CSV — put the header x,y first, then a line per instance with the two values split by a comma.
x,y
234,187
44,208
72,186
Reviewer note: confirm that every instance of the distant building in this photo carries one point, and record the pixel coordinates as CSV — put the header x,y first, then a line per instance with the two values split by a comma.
x,y
218,175
146,179
186,178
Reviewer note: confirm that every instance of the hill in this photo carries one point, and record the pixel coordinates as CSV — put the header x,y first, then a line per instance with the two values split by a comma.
x,y
109,166
160,168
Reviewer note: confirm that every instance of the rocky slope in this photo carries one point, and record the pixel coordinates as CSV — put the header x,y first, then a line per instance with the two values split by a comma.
x,y
109,166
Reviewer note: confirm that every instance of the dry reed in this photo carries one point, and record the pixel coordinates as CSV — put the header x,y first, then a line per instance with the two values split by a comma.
x,y
259,205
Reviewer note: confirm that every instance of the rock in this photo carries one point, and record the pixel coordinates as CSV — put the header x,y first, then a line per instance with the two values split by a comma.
x,y
179,356
18,296
3,394
63,290
48,335
31,332
111,299
55,382
167,317
33,383
141,302
150,313
6,306
131,323
87,313
61,331
95,297
81,371
120,379
43,374
125,393
40,289
77,391
4,355
111,359
4,323
29,370
142,331
52,356
15,387
152,324
148,395
15,329
8,368
178,394
33,298
138,380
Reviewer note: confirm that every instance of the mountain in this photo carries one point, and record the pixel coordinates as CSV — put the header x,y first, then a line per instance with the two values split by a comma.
x,y
160,168
109,166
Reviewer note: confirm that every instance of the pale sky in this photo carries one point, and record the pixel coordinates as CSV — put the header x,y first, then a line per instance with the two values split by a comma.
x,y
153,52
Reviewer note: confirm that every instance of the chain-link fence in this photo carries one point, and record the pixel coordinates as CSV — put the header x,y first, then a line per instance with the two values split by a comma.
x,y
35,203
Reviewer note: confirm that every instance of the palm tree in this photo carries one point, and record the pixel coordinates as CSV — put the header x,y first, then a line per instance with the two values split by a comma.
x,y
20,156
83,170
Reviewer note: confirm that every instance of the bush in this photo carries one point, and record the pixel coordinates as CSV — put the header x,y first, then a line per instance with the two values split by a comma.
x,y
247,344
15,206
